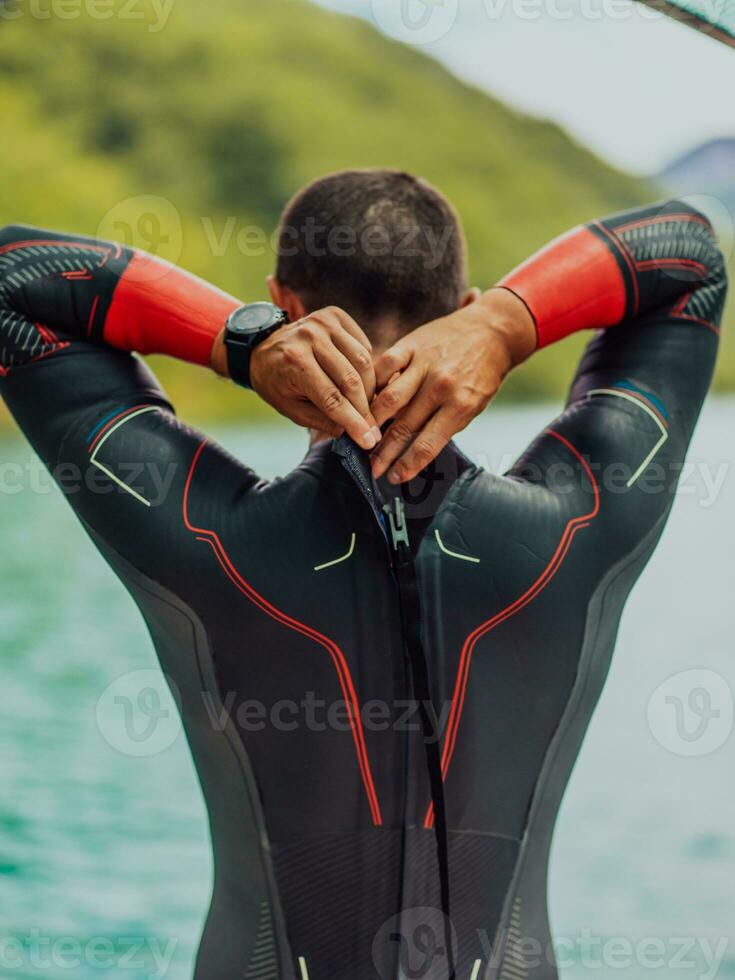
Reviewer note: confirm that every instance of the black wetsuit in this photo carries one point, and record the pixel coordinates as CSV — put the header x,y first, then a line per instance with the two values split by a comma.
x,y
330,862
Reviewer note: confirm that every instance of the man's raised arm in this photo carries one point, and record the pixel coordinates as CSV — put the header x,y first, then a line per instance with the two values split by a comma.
x,y
57,290
661,260
60,294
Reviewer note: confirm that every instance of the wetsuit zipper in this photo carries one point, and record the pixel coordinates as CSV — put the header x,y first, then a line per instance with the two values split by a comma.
x,y
404,570
391,518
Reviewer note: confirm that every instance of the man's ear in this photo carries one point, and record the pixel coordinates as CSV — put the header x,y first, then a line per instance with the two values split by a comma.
x,y
471,297
285,298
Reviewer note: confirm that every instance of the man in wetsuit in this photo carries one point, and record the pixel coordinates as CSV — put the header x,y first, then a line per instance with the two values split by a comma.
x,y
445,599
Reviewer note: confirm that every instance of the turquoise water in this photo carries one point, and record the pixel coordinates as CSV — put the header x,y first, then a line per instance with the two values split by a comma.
x,y
104,861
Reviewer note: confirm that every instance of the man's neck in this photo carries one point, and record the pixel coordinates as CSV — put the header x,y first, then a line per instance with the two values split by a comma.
x,y
315,437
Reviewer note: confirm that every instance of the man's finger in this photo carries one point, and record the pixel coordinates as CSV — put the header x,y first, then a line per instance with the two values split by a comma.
x,y
305,414
359,357
427,445
397,394
353,328
391,362
345,376
403,431
326,396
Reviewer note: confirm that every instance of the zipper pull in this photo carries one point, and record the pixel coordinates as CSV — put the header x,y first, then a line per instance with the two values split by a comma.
x,y
396,512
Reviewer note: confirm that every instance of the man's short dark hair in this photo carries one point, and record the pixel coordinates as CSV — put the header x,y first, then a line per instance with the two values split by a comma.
x,y
378,243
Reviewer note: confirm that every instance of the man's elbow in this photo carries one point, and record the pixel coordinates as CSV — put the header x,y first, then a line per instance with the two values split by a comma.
x,y
12,234
716,279
703,243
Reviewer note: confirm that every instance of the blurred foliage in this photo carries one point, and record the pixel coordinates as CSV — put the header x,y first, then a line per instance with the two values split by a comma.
x,y
218,113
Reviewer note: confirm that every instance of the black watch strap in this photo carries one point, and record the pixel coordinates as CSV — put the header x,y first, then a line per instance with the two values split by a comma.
x,y
238,363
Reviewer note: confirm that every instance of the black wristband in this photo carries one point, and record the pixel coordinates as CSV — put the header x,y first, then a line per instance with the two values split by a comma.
x,y
238,363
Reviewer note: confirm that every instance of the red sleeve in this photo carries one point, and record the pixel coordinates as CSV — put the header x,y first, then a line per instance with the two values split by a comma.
x,y
574,283
158,308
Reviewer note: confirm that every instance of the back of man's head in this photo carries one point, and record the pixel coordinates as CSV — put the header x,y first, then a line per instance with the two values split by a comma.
x,y
385,246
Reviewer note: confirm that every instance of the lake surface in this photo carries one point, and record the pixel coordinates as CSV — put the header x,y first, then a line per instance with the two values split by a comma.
x,y
104,858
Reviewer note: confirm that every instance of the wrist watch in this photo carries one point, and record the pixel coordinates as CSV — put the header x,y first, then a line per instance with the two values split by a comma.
x,y
246,327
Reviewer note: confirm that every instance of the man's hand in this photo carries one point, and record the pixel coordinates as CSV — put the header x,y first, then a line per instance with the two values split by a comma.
x,y
436,379
319,373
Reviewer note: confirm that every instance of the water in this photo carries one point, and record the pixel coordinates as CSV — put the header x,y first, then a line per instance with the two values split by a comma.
x,y
104,862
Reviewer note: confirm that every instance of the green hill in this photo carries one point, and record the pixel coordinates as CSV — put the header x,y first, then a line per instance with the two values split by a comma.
x,y
219,115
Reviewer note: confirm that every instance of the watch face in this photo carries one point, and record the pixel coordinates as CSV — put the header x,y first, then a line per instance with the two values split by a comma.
x,y
254,318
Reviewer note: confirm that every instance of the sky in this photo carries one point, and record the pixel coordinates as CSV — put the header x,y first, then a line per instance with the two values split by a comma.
x,y
633,85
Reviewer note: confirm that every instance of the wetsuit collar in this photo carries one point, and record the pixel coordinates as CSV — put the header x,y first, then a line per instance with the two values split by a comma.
x,y
428,489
